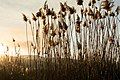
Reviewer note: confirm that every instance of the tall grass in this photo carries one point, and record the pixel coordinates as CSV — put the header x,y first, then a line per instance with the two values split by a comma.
x,y
70,45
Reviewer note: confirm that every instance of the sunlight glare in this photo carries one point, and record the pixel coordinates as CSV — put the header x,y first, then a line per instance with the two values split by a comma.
x,y
2,49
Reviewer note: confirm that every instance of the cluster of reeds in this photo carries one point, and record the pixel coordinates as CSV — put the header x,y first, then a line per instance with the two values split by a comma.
x,y
73,45
67,34
91,33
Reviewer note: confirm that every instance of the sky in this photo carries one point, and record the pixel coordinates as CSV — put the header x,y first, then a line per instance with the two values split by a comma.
x,y
11,22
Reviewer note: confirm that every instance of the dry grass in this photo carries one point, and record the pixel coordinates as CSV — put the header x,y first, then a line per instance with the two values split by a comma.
x,y
72,46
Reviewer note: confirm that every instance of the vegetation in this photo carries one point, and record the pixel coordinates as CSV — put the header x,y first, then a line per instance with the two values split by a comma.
x,y
70,45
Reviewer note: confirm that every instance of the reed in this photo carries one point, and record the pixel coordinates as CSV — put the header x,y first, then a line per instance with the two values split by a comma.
x,y
72,45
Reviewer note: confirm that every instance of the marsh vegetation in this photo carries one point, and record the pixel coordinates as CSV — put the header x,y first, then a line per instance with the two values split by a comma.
x,y
69,44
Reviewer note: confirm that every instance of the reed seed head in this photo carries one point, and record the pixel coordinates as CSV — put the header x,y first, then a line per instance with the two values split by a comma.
x,y
79,2
93,1
62,7
13,40
112,14
90,12
48,12
45,5
43,16
118,10
89,3
24,17
29,21
34,17
72,10
38,14
107,5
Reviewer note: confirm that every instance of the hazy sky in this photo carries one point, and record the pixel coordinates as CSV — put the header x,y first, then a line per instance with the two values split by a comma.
x,y
11,23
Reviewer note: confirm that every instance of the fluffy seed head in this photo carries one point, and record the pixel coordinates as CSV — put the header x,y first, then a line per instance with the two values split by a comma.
x,y
118,10
79,2
24,17
34,17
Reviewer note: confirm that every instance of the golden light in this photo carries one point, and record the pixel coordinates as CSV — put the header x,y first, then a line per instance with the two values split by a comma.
x,y
2,49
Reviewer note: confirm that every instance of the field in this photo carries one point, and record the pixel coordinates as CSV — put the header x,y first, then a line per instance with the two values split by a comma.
x,y
60,69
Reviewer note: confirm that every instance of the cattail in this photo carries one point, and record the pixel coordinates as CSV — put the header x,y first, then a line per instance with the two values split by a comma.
x,y
89,3
54,17
90,12
107,5
79,2
25,18
45,5
38,14
112,14
72,10
29,21
85,24
53,14
43,16
48,12
93,1
62,14
34,17
63,9
118,10
13,40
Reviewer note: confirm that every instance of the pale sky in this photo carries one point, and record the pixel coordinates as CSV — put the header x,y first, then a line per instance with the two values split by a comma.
x,y
11,22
